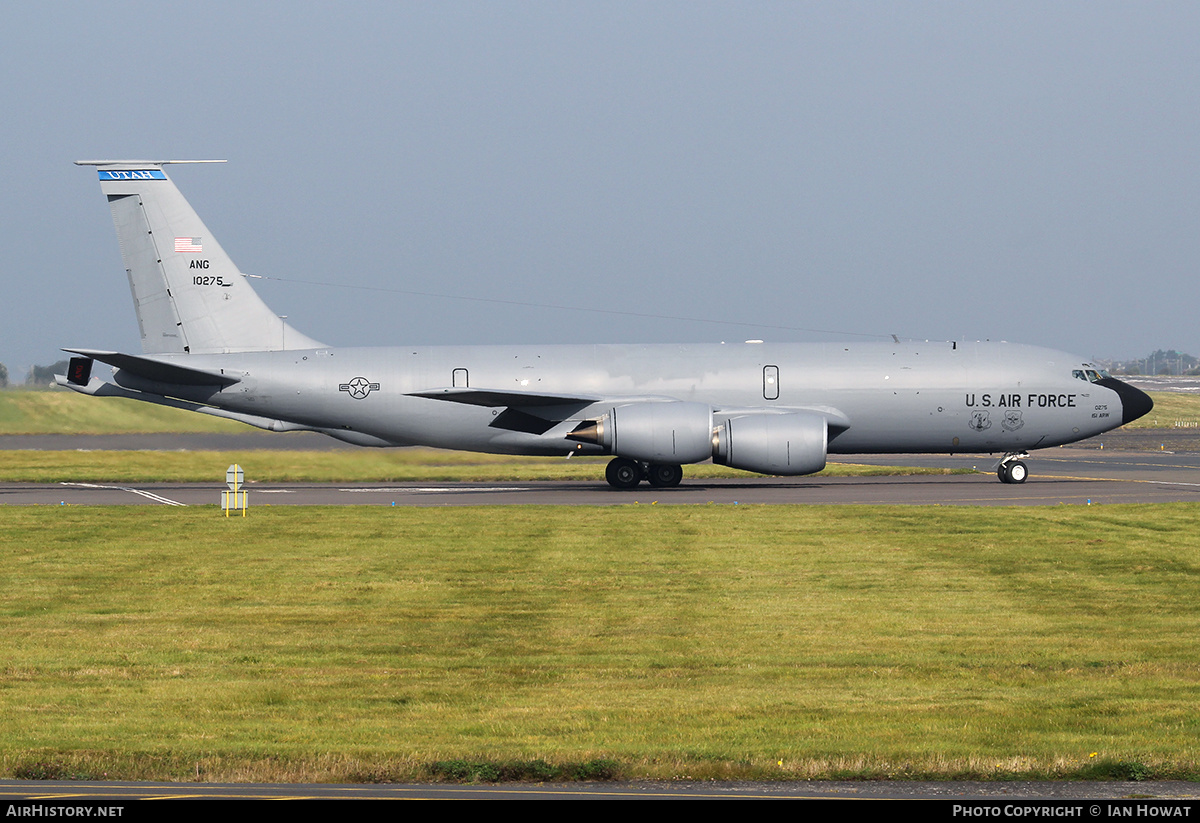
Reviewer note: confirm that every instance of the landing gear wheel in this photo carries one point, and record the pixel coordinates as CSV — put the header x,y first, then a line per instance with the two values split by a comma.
x,y
623,473
1012,472
664,475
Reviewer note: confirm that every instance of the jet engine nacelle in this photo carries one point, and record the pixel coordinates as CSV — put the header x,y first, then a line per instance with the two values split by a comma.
x,y
669,432
787,444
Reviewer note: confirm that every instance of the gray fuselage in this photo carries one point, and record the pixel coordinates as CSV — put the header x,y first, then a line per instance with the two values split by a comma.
x,y
878,398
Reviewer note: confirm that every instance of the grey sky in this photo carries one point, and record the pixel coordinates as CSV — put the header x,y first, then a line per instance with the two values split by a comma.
x,y
1019,171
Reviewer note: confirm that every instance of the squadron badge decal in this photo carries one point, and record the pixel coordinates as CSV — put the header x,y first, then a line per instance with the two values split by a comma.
x,y
1012,420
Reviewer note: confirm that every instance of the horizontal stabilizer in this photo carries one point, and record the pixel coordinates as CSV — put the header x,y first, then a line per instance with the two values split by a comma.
x,y
95,387
158,371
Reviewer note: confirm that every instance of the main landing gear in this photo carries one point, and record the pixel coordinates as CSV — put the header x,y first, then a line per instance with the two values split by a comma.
x,y
1011,469
623,473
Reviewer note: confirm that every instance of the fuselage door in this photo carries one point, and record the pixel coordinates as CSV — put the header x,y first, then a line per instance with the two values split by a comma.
x,y
770,382
459,379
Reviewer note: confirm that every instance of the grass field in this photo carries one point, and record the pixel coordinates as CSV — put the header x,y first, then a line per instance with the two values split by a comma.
x,y
664,642
1170,409
66,412
354,466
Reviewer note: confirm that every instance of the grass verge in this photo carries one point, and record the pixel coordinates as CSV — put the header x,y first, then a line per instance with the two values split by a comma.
x,y
61,411
357,466
1170,408
659,642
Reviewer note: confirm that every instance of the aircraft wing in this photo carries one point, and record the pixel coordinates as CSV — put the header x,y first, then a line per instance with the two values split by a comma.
x,y
520,399
157,370
527,412
506,397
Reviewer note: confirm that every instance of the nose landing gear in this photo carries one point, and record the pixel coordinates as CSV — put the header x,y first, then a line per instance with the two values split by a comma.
x,y
1012,469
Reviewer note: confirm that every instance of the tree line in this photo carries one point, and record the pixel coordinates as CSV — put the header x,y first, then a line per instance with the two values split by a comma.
x,y
1169,361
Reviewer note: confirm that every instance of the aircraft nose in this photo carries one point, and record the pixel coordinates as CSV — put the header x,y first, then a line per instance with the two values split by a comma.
x,y
1134,402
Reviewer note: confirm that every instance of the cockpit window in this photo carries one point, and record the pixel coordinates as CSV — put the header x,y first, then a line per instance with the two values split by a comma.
x,y
1090,375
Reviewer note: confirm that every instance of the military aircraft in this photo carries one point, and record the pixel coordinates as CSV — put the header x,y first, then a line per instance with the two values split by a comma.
x,y
210,344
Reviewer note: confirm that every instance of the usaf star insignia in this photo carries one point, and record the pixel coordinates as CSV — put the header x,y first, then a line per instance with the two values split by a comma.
x,y
359,387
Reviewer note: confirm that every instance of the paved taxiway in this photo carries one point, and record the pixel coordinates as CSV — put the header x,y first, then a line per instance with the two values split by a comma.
x,y
1135,466
1059,476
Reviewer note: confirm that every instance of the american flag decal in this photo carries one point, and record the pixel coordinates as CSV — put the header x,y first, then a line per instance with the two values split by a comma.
x,y
188,244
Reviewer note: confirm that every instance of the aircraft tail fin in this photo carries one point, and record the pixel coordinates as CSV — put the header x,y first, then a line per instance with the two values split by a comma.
x,y
188,295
